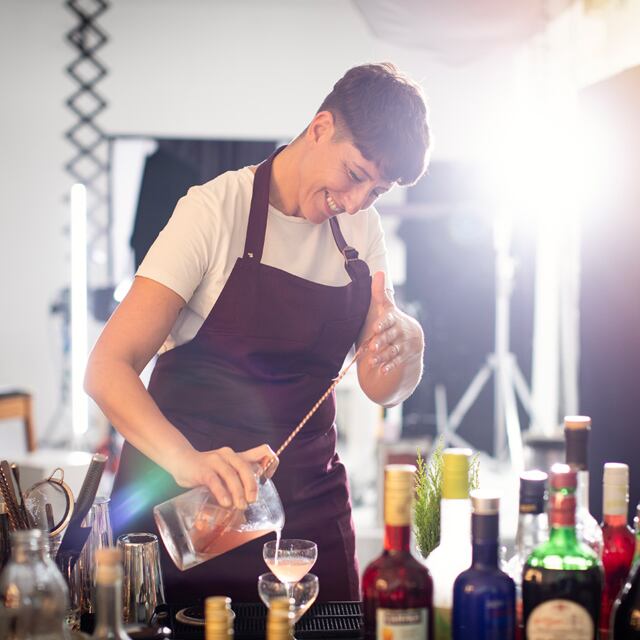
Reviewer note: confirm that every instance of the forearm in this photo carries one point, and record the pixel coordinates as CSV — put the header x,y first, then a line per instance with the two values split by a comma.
x,y
118,391
396,385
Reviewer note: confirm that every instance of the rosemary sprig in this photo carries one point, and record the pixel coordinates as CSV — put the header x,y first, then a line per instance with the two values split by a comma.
x,y
426,510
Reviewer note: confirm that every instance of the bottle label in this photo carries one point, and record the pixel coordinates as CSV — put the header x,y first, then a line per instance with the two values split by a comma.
x,y
401,624
560,620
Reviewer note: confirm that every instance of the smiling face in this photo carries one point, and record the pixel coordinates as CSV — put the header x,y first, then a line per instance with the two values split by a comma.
x,y
334,177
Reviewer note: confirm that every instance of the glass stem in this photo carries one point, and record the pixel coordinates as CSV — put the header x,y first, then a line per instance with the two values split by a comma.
x,y
290,586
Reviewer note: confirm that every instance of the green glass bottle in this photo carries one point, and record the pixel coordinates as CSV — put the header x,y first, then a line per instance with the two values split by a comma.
x,y
562,578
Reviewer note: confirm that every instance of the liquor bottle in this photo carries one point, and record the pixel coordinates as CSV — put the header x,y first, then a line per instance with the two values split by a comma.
x,y
397,589
33,594
533,530
453,555
625,617
109,596
483,595
619,541
218,618
576,433
562,579
280,619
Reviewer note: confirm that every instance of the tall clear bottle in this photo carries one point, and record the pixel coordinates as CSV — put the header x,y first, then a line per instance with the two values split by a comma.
x,y
533,529
484,596
32,590
453,555
397,590
109,595
576,434
619,540
562,580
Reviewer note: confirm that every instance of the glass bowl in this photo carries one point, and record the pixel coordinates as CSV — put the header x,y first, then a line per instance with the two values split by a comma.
x,y
304,592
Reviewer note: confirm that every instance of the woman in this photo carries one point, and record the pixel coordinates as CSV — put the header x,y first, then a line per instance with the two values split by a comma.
x,y
253,294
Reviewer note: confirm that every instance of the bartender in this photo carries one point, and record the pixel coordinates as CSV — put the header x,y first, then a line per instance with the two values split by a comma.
x,y
253,295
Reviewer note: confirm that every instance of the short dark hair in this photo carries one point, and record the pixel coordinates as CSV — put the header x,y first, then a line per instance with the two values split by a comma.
x,y
385,115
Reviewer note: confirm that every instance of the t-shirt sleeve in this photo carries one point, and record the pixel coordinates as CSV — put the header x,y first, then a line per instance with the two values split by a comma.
x,y
181,254
377,248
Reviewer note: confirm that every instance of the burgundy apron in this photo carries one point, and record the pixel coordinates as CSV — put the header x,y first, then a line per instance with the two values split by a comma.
x,y
267,351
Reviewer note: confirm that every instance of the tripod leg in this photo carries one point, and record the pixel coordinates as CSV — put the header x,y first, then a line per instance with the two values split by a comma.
x,y
522,389
469,397
511,419
441,408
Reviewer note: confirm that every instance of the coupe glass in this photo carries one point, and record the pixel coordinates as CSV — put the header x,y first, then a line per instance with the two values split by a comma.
x,y
290,560
304,592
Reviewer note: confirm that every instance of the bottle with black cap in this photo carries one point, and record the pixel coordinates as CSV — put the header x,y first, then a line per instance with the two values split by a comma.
x,y
576,434
484,596
533,528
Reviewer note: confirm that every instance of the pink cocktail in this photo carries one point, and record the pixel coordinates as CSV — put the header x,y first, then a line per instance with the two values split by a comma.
x,y
290,560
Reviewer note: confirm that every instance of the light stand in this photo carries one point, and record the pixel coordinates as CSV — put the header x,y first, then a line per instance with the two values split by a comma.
x,y
509,383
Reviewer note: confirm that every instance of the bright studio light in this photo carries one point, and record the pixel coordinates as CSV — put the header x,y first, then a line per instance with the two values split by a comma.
x,y
79,332
549,162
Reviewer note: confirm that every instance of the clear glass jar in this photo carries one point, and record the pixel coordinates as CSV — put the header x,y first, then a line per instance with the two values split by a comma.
x,y
195,528
32,590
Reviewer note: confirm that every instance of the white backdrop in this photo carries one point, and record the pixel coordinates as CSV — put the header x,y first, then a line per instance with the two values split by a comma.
x,y
216,69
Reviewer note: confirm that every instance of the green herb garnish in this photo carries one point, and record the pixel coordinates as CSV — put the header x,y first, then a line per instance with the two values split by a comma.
x,y
426,510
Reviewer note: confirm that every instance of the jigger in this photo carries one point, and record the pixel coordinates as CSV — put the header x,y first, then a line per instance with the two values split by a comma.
x,y
142,588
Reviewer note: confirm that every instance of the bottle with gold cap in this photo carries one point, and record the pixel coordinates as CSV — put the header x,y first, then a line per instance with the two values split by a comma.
x,y
453,555
484,597
576,436
280,619
109,596
562,579
397,590
619,541
218,618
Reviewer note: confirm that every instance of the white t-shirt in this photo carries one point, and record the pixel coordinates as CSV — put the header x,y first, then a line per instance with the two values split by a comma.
x,y
196,251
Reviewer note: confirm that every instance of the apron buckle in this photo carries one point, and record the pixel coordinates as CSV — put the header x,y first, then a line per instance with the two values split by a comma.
x,y
350,255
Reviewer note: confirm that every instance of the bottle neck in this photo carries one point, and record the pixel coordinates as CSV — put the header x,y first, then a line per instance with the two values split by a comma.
x,y
455,521
484,554
613,520
562,518
109,606
484,540
563,535
29,546
615,503
397,538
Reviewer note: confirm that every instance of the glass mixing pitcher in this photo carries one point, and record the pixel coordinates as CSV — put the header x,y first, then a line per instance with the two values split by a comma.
x,y
195,527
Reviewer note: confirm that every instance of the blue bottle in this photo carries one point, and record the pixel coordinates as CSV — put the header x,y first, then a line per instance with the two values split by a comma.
x,y
484,597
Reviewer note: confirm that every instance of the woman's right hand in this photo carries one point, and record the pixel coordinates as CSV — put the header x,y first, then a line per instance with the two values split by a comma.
x,y
228,474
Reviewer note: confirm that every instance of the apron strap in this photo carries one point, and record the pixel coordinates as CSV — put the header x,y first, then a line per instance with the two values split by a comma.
x,y
356,268
257,227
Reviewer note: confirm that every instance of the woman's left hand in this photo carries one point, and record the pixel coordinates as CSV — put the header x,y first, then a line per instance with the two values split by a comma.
x,y
391,337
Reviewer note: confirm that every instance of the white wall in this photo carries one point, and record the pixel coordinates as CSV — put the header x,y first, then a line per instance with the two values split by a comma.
x,y
234,68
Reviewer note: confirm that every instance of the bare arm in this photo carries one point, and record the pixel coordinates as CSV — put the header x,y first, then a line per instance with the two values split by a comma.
x,y
391,367
130,339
